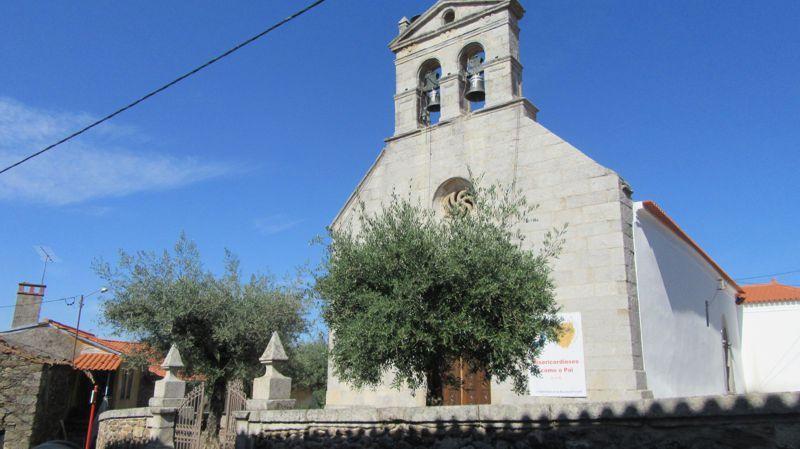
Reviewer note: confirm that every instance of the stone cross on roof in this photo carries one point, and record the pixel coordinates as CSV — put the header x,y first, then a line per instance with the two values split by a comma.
x,y
274,351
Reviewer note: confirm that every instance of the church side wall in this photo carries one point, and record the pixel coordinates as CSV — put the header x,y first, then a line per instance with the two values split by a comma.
x,y
771,346
682,356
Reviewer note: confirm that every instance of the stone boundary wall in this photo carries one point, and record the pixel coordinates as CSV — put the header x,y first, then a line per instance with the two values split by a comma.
x,y
744,421
123,428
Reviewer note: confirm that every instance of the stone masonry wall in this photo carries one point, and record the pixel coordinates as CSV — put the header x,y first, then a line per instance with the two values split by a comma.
x,y
754,421
19,387
32,389
57,382
594,273
123,429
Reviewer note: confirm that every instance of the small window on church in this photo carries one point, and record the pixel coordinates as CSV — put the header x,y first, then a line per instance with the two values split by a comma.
x,y
430,101
473,83
454,196
449,16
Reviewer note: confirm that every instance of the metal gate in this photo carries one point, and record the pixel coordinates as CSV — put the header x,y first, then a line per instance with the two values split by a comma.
x,y
189,421
235,400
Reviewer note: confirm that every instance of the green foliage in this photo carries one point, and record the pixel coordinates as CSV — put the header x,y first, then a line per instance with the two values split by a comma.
x,y
411,292
308,368
221,324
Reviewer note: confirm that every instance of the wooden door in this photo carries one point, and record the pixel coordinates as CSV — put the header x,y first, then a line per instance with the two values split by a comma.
x,y
471,386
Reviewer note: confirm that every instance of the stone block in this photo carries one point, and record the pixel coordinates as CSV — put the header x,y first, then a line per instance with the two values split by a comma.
x,y
274,387
270,404
169,388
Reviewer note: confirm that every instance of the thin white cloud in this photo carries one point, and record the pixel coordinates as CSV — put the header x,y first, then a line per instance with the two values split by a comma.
x,y
99,164
275,224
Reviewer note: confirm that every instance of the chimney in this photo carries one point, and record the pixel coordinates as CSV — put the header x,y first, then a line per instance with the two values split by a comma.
x,y
29,303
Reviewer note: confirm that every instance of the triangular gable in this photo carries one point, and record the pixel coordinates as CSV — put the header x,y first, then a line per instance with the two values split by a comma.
x,y
431,22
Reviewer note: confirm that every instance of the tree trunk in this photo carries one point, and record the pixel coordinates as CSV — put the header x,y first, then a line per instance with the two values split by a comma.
x,y
435,384
216,406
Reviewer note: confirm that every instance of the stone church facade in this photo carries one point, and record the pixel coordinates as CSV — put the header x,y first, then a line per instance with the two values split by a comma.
x,y
501,140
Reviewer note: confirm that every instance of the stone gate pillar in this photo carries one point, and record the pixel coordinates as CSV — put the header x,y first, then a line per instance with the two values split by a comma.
x,y
167,397
272,390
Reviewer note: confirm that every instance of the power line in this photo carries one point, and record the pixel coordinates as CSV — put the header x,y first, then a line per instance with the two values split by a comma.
x,y
65,299
166,86
768,275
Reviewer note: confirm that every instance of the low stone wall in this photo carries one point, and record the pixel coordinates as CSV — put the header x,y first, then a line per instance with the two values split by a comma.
x,y
751,421
123,429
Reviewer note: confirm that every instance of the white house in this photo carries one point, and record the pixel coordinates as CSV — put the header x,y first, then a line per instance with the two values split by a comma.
x,y
771,337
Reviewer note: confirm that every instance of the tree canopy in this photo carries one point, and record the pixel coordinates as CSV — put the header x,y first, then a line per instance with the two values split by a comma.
x,y
308,368
411,292
221,324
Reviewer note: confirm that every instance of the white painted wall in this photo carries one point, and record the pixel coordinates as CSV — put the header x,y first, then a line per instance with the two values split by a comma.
x,y
682,356
771,346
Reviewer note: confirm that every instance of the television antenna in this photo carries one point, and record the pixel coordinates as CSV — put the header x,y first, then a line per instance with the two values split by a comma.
x,y
47,255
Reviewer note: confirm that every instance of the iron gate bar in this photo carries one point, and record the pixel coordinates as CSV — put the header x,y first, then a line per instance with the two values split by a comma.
x,y
189,420
235,400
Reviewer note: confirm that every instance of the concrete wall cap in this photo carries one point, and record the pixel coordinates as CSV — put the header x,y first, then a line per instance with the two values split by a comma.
x,y
125,413
750,404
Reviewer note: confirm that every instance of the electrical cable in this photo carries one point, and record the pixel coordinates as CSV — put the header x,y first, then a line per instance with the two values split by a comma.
x,y
165,86
768,275
65,299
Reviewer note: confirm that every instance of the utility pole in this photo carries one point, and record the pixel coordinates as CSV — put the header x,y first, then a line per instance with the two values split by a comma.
x,y
77,328
78,324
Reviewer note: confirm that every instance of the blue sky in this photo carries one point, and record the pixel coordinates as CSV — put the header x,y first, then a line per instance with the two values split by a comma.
x,y
696,104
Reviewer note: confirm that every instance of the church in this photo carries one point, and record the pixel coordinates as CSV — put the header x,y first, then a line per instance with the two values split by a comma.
x,y
653,315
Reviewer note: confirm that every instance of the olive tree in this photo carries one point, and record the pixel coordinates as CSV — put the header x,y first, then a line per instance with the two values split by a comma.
x,y
221,324
410,291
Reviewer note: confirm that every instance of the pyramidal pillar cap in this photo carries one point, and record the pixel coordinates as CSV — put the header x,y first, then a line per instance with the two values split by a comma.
x,y
173,360
274,351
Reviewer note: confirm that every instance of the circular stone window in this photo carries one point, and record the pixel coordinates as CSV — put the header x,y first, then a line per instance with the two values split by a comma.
x,y
449,17
454,195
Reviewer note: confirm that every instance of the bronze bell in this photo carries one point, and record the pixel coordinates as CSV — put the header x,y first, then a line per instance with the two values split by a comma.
x,y
476,88
434,103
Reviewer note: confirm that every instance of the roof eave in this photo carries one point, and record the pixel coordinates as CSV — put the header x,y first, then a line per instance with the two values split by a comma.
x,y
661,216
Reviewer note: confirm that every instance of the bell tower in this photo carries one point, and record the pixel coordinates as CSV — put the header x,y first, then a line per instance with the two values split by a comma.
x,y
458,57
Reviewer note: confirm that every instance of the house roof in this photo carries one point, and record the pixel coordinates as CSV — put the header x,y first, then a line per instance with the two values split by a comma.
x,y
117,346
105,361
35,357
770,292
97,361
662,216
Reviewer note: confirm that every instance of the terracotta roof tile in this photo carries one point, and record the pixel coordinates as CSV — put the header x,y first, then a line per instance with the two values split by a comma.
x,y
771,292
121,347
98,361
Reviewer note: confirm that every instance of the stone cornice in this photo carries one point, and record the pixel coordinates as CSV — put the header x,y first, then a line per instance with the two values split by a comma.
x,y
407,37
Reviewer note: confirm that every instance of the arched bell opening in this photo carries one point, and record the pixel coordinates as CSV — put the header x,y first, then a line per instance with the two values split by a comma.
x,y
473,80
430,93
